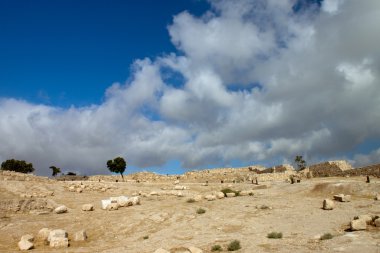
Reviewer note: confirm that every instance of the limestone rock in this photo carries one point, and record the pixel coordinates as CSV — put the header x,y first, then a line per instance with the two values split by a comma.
x,y
366,217
230,194
220,195
135,200
342,198
359,224
377,222
58,242
153,193
61,209
43,234
26,242
161,250
80,236
88,207
58,238
57,233
198,198
328,204
377,197
79,190
28,237
105,203
113,206
195,250
210,197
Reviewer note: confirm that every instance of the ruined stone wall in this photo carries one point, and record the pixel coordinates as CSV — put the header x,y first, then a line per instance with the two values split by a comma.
x,y
330,168
7,175
372,170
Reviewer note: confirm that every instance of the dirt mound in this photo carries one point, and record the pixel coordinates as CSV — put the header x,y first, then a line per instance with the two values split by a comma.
x,y
352,188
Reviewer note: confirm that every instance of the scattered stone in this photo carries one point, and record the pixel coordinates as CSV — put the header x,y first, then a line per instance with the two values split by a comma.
x,y
342,198
195,250
26,242
105,203
377,197
80,236
328,204
58,238
153,193
43,234
135,201
264,207
176,182
59,242
161,250
79,190
198,198
366,217
377,222
112,206
60,209
359,224
180,187
230,194
210,197
88,207
220,195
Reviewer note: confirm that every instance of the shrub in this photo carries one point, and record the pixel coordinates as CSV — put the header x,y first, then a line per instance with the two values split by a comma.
x,y
234,245
216,248
326,236
17,166
200,210
228,190
146,237
275,235
191,200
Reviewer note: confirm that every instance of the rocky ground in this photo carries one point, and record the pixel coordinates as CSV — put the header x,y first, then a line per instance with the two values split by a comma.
x,y
165,218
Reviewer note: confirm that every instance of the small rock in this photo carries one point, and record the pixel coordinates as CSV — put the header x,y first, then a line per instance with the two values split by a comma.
x,y
161,250
359,224
220,195
135,200
43,234
176,182
105,203
230,194
79,190
195,250
328,204
61,209
377,222
210,197
113,206
198,198
58,242
88,207
57,233
80,236
25,245
28,237
342,198
377,197
366,217
153,193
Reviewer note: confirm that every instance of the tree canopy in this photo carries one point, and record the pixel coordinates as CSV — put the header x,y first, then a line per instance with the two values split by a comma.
x,y
117,165
301,163
17,166
55,170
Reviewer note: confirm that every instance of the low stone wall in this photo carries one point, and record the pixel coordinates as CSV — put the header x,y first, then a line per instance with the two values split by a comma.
x,y
372,170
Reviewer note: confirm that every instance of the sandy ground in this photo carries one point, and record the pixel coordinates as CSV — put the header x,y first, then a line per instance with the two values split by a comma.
x,y
172,223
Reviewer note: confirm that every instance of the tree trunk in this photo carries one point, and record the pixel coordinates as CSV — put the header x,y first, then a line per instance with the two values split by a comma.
x,y
122,176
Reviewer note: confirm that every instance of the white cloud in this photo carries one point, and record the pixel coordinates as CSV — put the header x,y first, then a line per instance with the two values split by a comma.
x,y
318,94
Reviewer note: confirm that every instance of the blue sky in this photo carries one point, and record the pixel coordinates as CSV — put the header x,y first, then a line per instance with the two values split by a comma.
x,y
68,52
188,84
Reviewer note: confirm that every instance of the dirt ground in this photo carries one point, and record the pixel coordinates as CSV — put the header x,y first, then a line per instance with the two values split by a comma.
x,y
170,222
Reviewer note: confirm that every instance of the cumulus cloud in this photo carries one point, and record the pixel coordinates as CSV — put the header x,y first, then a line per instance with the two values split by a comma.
x,y
259,83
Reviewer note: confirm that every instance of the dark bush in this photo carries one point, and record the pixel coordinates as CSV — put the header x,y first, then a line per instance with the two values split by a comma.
x,y
17,166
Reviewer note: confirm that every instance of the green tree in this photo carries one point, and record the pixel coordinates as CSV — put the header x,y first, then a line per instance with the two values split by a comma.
x,y
17,166
55,170
300,162
117,165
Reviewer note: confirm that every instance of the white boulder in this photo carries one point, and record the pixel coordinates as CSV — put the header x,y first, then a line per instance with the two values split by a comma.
x,y
60,209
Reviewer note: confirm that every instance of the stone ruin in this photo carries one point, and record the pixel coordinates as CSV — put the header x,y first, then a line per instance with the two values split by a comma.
x,y
330,168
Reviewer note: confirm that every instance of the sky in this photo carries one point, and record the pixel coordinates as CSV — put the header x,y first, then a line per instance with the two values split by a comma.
x,y
188,84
